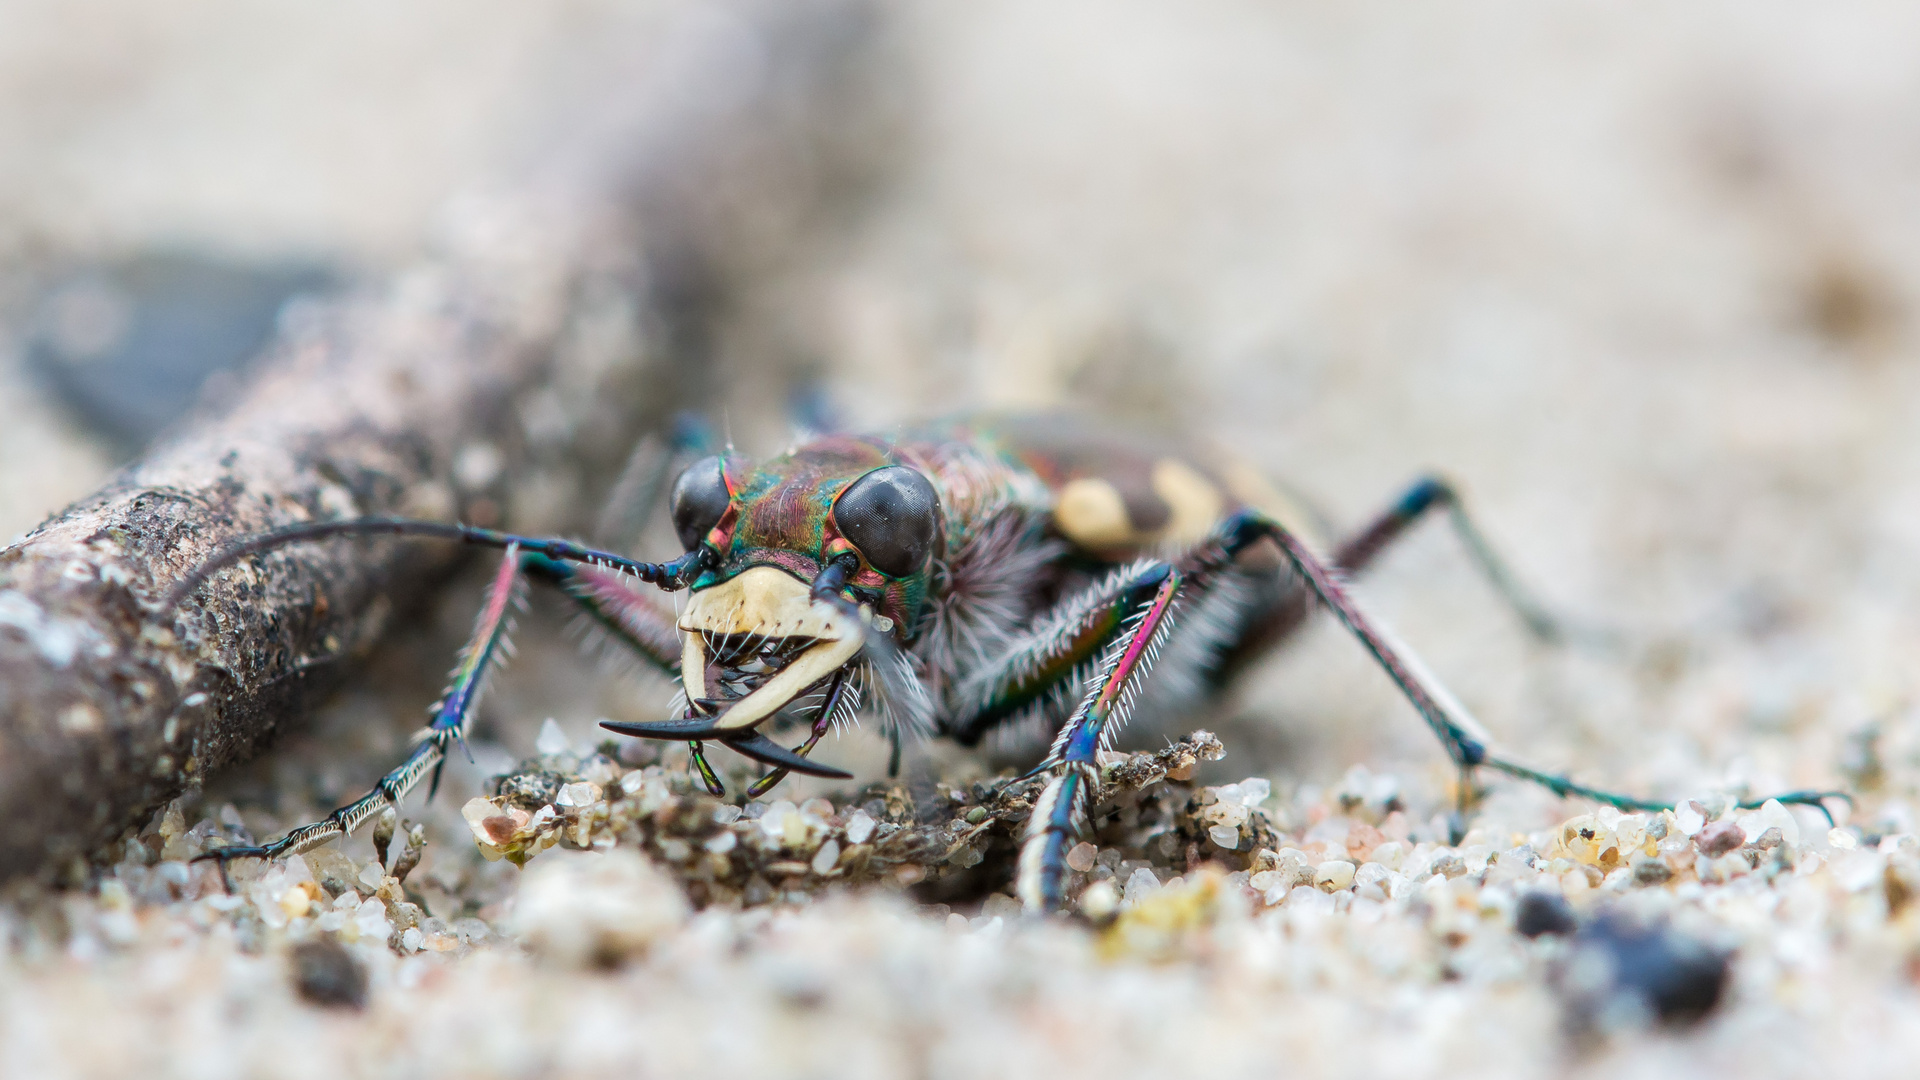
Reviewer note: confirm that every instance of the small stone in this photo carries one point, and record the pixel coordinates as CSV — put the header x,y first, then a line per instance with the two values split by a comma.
x,y
599,769
827,857
859,827
1099,901
584,793
1716,840
721,843
370,921
295,902
976,815
1248,793
1079,859
1772,815
1541,911
1620,968
1390,854
1650,871
1225,836
412,940
1374,875
1334,875
1266,881
327,975
1450,865
1139,884
1842,839
551,741
1690,817
1308,898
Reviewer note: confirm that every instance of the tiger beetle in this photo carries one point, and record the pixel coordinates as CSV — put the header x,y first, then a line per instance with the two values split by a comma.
x,y
955,579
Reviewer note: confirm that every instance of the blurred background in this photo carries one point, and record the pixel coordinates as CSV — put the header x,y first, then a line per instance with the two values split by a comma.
x,y
1642,279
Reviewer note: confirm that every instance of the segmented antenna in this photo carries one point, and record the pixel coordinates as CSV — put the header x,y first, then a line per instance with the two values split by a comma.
x,y
670,575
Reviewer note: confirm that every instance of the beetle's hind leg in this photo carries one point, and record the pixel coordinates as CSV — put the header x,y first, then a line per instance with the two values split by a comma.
x,y
1431,494
1279,606
451,719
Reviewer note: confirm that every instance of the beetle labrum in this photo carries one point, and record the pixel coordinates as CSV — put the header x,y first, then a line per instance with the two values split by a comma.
x,y
954,579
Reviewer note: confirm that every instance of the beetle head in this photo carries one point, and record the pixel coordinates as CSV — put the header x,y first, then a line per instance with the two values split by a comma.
x,y
811,557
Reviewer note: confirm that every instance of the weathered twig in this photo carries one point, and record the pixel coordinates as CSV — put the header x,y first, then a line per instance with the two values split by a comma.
x,y
493,384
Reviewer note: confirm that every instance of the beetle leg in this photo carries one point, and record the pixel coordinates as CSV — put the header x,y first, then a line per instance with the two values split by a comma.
x,y
1064,646
1060,813
1279,608
609,600
1460,734
451,718
1431,493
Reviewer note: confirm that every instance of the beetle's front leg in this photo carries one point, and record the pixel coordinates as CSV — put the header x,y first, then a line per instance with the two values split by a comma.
x,y
451,718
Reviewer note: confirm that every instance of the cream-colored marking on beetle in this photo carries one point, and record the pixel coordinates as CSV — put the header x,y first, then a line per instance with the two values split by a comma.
x,y
759,601
1092,514
693,665
772,603
1195,502
810,667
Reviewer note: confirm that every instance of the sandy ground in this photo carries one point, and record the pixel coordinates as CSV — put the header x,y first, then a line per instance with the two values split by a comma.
x,y
1641,279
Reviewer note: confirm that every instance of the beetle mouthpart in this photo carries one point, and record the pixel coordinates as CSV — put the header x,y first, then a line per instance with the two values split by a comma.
x,y
761,631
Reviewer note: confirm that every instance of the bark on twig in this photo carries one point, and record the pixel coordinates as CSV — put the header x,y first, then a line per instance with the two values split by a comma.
x,y
493,385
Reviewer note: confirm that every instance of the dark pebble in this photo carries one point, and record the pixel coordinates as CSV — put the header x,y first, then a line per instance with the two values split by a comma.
x,y
1541,912
1678,978
326,974
1716,840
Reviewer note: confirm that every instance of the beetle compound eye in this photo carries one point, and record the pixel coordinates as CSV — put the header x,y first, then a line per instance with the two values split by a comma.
x,y
700,496
891,515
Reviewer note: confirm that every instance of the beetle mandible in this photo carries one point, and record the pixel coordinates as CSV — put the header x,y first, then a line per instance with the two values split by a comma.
x,y
953,579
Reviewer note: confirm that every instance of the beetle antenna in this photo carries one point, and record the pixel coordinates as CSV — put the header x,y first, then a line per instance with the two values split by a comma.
x,y
669,575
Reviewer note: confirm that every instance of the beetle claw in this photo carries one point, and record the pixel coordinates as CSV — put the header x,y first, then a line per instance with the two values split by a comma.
x,y
767,752
696,727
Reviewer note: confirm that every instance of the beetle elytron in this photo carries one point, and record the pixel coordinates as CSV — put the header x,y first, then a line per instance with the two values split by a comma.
x,y
954,579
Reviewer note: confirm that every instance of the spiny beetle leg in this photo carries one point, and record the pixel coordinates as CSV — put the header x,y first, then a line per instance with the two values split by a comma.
x,y
1461,735
451,718
1066,643
609,600
1061,812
